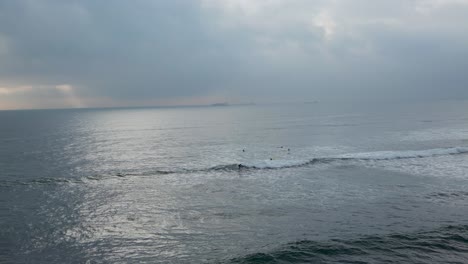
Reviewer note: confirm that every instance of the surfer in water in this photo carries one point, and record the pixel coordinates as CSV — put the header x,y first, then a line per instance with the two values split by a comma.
x,y
240,166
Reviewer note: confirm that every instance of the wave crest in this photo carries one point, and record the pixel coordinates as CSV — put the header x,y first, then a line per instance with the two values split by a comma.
x,y
265,164
376,155
435,245
390,155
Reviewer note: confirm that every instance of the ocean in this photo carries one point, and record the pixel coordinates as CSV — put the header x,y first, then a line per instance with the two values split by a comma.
x,y
279,183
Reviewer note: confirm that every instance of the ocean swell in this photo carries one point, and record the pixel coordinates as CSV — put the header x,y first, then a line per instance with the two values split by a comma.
x,y
448,244
376,155
259,165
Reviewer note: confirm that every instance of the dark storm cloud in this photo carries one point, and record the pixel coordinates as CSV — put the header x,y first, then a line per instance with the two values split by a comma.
x,y
123,48
253,50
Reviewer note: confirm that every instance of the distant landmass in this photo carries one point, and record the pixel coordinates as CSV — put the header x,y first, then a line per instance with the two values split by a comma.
x,y
228,104
220,104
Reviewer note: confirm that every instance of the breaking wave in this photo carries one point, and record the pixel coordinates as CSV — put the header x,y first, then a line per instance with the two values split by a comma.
x,y
390,155
268,164
376,155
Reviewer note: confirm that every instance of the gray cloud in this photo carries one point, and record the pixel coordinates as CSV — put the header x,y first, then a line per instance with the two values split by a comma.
x,y
144,52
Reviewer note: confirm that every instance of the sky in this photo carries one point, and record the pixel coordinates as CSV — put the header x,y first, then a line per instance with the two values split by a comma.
x,y
88,53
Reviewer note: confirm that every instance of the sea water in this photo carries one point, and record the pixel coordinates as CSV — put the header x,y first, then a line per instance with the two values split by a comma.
x,y
281,183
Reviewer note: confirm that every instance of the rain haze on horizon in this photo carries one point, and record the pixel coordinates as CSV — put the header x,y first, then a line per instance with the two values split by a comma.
x,y
65,54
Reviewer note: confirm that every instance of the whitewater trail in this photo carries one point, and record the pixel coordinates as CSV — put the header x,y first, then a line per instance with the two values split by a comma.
x,y
266,164
376,155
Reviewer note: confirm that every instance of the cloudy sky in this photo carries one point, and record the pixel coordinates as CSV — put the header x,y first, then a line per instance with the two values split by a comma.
x,y
88,53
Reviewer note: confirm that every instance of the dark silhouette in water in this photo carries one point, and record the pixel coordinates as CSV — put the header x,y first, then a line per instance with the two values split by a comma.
x,y
240,166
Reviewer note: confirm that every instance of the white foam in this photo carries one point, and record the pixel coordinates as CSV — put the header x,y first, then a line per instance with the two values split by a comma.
x,y
376,155
389,155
